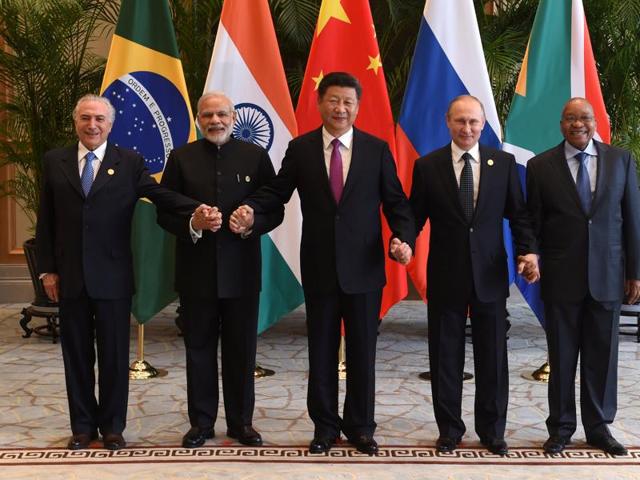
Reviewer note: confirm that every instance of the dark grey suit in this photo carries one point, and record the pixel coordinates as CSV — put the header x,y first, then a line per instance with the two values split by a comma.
x,y
585,258
467,273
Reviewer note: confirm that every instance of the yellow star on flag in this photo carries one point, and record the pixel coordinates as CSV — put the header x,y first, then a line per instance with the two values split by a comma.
x,y
328,10
374,63
318,79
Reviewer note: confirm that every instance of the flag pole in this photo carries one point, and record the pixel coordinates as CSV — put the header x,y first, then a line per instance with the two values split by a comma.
x,y
141,369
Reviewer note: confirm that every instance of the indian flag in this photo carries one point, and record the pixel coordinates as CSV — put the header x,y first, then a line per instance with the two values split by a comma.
x,y
557,66
247,67
144,81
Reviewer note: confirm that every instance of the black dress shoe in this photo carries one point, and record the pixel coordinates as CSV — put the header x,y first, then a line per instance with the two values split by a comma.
x,y
113,441
246,435
321,445
608,444
556,444
365,444
447,444
80,441
495,445
196,437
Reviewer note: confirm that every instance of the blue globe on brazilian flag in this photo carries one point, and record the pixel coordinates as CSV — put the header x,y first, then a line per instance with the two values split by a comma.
x,y
144,81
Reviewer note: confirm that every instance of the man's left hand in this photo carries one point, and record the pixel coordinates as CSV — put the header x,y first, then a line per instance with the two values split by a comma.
x,y
401,251
632,290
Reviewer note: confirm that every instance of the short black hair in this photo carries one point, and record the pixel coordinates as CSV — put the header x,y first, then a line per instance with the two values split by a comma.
x,y
339,79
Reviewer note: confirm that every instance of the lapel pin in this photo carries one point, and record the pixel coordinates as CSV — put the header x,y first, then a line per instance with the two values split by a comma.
x,y
111,171
247,179
490,162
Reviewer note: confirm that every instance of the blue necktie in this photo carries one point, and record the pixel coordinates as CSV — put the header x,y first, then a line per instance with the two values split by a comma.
x,y
86,179
583,184
466,187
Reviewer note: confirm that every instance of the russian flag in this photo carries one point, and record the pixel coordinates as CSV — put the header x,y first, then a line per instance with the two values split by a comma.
x,y
448,61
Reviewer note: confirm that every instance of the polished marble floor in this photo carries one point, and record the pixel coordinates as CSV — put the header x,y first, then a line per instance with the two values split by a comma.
x,y
33,409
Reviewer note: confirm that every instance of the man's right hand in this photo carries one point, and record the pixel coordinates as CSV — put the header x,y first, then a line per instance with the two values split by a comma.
x,y
241,219
206,218
51,283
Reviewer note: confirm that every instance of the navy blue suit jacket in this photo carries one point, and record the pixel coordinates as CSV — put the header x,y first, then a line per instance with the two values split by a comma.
x,y
585,252
462,254
87,241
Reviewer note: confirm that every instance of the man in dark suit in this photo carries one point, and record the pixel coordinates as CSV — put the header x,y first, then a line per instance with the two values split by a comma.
x,y
343,175
583,196
465,189
89,192
218,273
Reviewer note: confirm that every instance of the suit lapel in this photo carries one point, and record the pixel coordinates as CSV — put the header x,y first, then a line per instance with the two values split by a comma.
x,y
108,169
69,166
358,159
317,163
601,174
485,181
448,176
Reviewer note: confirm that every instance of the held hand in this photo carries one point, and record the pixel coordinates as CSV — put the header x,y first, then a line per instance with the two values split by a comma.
x,y
241,221
401,251
528,267
51,284
632,291
207,218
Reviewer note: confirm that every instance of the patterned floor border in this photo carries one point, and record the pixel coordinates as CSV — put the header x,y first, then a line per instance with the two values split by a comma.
x,y
300,454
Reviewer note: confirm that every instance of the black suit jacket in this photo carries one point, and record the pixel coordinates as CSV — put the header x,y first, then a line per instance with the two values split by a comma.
x,y
341,243
87,240
219,264
454,242
585,252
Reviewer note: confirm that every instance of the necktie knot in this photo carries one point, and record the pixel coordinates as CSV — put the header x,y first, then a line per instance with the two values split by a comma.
x,y
90,156
466,156
581,157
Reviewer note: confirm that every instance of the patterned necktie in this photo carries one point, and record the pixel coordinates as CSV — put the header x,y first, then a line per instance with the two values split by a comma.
x,y
335,171
583,184
466,187
86,179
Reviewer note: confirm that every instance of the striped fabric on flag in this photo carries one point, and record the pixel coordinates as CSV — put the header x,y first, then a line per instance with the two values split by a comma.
x,y
144,81
247,66
557,65
448,61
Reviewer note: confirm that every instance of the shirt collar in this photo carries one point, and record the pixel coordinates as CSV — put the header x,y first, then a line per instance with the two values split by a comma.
x,y
457,152
570,151
99,152
346,139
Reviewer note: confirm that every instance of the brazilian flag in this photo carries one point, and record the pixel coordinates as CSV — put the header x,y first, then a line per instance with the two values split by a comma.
x,y
145,83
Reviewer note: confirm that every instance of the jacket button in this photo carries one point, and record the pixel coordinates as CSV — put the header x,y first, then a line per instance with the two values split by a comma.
x,y
471,230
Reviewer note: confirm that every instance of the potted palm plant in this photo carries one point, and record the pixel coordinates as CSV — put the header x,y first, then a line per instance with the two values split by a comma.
x,y
46,63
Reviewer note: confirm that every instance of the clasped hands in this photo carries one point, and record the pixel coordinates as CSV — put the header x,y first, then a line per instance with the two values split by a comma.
x,y
528,267
400,251
210,218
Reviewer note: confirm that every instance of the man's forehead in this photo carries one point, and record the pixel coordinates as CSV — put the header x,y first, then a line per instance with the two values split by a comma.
x,y
93,108
216,103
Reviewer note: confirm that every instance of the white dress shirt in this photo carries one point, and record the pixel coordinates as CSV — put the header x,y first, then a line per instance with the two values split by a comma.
x,y
458,165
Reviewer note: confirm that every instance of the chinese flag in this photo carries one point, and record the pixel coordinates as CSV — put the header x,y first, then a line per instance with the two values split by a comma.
x,y
345,40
